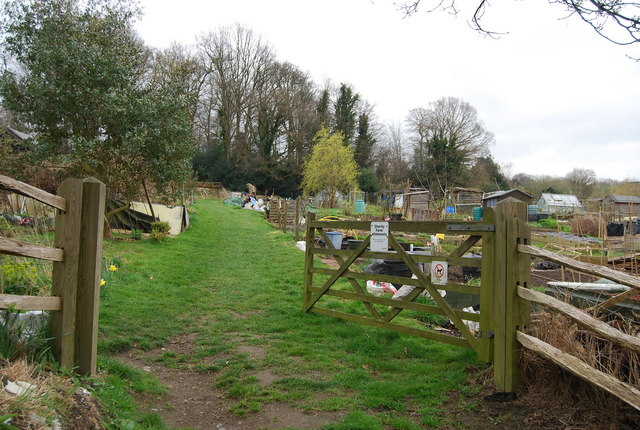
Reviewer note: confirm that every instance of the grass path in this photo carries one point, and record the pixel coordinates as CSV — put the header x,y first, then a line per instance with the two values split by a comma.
x,y
232,278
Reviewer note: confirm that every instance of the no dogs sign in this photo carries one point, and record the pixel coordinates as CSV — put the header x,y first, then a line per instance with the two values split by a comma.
x,y
439,272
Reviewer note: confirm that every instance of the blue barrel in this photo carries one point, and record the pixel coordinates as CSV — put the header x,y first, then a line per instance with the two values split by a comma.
x,y
477,213
358,208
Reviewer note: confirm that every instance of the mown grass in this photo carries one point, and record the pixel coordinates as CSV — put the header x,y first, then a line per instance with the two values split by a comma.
x,y
232,279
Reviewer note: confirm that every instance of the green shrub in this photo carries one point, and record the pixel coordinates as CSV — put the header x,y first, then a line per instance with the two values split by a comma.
x,y
136,234
548,223
6,229
18,277
160,230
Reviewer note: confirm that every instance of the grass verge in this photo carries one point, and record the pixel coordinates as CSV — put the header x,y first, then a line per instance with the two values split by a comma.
x,y
232,279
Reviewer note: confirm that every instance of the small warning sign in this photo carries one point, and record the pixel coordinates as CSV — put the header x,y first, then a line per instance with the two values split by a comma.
x,y
439,272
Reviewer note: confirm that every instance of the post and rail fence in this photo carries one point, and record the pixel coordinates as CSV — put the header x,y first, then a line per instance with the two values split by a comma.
x,y
505,296
77,259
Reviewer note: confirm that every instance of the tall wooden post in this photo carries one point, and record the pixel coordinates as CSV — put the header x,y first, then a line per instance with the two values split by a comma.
x,y
512,269
308,260
487,291
65,273
88,295
76,279
296,221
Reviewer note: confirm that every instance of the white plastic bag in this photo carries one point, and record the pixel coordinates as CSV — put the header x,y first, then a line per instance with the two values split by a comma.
x,y
377,288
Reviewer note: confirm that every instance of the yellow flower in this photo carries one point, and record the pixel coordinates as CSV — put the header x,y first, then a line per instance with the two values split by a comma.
x,y
112,268
102,282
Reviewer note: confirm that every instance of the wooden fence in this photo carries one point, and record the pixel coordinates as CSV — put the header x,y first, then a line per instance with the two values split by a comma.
x,y
77,258
505,297
285,214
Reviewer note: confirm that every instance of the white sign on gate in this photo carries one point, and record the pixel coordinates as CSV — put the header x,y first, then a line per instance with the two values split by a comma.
x,y
439,272
379,236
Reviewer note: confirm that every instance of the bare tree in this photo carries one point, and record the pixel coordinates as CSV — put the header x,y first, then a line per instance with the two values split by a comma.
x,y
236,63
582,182
617,21
391,159
447,137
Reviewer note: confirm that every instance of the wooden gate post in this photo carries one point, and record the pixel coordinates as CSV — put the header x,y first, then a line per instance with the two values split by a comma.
x,y
77,278
487,291
511,269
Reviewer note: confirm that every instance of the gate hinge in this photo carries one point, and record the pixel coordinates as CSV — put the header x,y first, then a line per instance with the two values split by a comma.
x,y
490,334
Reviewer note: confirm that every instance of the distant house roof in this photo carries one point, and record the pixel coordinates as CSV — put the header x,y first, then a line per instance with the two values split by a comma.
x,y
566,200
622,199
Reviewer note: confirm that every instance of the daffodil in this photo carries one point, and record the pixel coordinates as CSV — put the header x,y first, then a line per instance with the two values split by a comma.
x,y
112,268
102,282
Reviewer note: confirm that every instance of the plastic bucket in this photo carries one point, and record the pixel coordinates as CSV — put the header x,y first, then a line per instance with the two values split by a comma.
x,y
336,239
358,208
477,213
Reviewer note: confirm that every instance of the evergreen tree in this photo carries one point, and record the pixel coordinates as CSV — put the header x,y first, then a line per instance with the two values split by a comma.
x,y
364,143
322,108
346,112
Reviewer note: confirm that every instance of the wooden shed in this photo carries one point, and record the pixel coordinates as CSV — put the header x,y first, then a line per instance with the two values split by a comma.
x,y
627,206
416,205
490,200
465,199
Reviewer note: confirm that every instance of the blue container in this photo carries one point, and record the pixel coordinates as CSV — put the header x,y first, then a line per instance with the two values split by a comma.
x,y
450,210
358,208
336,239
477,213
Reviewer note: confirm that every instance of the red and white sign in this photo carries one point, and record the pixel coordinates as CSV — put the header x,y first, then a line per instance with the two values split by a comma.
x,y
439,272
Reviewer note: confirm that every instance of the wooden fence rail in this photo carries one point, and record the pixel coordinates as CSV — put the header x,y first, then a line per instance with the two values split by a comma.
x,y
620,389
285,214
77,258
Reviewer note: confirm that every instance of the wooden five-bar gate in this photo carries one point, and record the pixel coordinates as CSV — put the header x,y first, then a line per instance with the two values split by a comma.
x,y
77,259
504,294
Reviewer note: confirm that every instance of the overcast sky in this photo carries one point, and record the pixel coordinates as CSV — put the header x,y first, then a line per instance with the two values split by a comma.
x,y
556,95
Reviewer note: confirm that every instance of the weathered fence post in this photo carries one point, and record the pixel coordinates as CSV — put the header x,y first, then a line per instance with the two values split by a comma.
x,y
88,296
296,221
487,291
76,279
308,260
512,269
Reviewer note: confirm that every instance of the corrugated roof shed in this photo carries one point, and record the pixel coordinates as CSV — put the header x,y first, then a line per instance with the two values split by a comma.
x,y
623,199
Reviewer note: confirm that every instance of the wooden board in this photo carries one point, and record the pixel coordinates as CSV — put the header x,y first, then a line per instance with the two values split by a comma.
x,y
582,318
21,188
30,303
623,391
591,269
24,249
